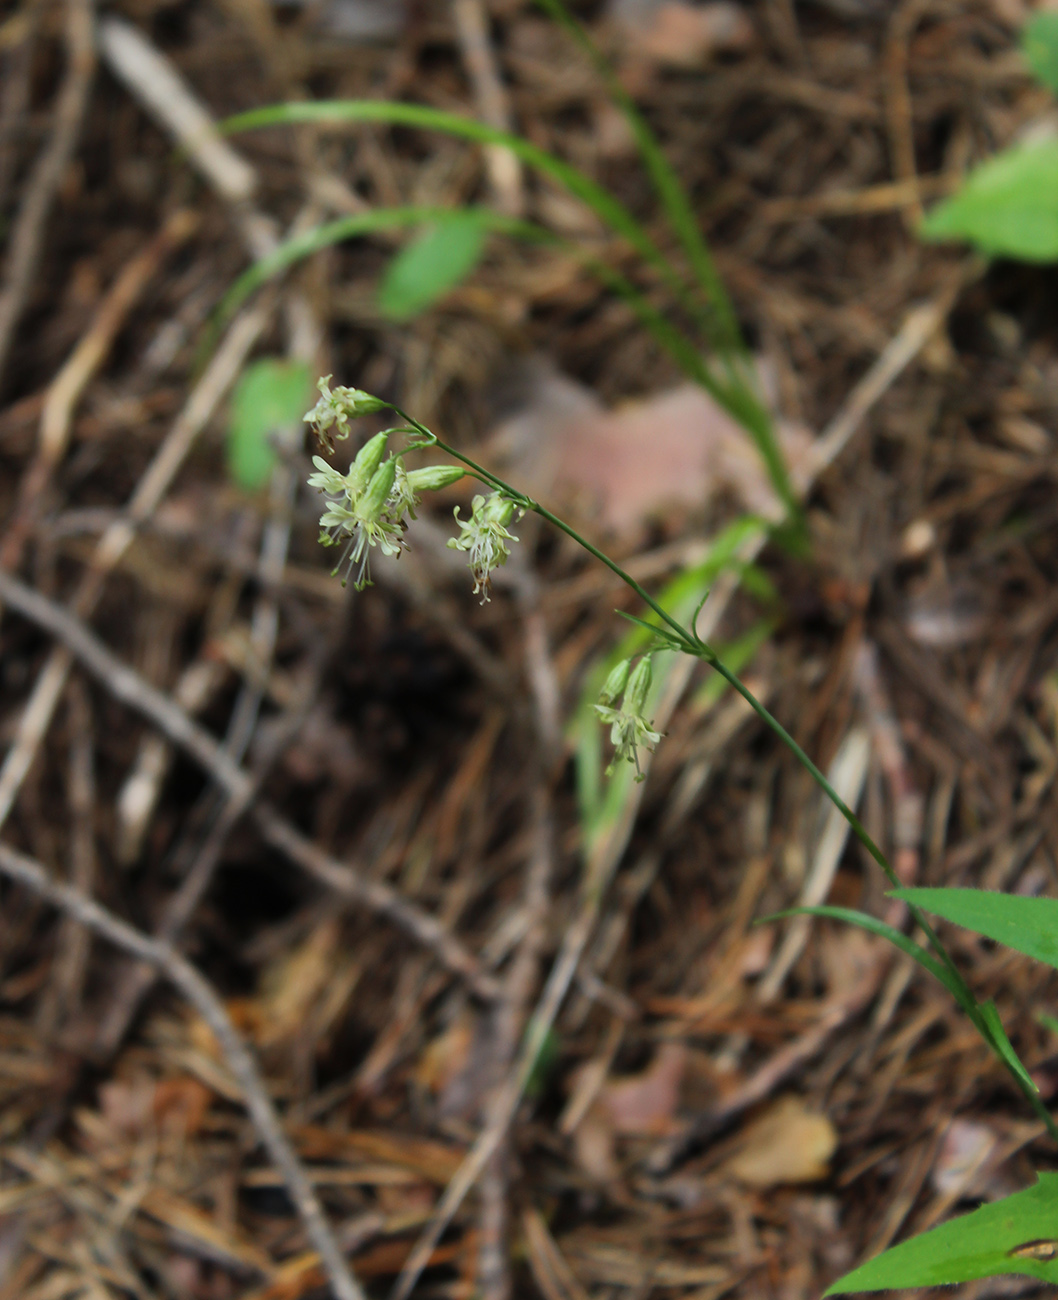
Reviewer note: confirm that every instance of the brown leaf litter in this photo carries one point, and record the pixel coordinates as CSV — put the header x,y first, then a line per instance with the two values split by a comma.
x,y
394,867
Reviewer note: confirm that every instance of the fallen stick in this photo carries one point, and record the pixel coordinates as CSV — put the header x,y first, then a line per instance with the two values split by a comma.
x,y
130,688
179,971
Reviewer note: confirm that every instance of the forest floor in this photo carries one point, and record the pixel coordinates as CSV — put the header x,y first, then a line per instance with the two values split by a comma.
x,y
370,821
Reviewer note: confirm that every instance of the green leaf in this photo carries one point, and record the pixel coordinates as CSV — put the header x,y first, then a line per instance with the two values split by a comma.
x,y
1039,40
432,264
736,389
1008,206
547,1057
899,940
269,398
1003,1047
669,638
985,1243
1028,925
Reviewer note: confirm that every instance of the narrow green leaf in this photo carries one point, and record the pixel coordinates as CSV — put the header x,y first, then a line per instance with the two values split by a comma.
x,y
1002,1045
1028,925
270,397
726,335
1008,206
735,390
899,940
601,201
432,264
1008,1236
670,639
298,247
547,1058
1039,40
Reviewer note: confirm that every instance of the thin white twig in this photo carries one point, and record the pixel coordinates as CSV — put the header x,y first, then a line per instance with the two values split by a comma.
x,y
179,971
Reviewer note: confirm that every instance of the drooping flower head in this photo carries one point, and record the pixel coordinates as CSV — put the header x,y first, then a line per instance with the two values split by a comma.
x,y
367,507
484,536
628,726
336,407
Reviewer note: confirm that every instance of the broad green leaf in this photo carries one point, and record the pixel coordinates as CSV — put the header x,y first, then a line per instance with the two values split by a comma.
x,y
1040,43
1008,206
432,264
996,1239
1029,925
270,396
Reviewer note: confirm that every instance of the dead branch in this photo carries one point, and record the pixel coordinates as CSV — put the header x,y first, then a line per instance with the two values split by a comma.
x,y
179,971
27,238
131,689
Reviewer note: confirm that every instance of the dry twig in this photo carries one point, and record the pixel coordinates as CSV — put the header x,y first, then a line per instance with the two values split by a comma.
x,y
205,397
27,237
242,1065
82,364
479,58
131,689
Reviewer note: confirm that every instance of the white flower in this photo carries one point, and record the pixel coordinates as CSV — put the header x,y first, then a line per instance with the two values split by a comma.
x,y
327,478
485,536
367,522
337,407
628,727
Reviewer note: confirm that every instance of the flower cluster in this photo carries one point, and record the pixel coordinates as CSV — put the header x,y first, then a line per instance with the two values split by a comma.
x,y
337,407
484,536
367,507
628,726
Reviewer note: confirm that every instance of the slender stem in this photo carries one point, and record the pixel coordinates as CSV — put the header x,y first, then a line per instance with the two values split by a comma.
x,y
687,640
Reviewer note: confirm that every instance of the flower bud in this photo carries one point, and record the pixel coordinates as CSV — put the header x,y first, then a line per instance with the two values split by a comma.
x,y
358,403
615,683
431,478
367,461
497,509
373,501
638,687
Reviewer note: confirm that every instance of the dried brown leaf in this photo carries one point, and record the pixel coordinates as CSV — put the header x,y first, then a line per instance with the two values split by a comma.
x,y
788,1143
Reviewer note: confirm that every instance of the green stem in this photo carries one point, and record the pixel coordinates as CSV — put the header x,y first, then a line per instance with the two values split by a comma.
x,y
689,641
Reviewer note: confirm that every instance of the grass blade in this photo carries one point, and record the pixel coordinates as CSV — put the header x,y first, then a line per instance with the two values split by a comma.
x,y
609,209
725,333
899,940
734,391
